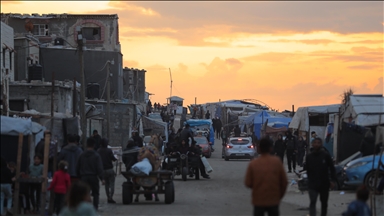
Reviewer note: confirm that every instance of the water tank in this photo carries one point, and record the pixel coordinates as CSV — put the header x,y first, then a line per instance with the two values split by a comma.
x,y
93,90
35,72
59,42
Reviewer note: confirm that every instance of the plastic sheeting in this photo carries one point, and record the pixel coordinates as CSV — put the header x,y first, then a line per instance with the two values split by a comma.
x,y
259,118
365,110
14,126
201,122
300,120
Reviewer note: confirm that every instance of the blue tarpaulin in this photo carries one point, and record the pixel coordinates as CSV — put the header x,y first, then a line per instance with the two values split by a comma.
x,y
259,118
202,122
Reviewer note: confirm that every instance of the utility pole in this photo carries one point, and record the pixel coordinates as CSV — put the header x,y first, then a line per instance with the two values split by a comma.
x,y
83,120
5,85
108,99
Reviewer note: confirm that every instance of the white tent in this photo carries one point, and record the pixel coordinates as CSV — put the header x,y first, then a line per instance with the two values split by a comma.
x,y
300,120
15,126
365,110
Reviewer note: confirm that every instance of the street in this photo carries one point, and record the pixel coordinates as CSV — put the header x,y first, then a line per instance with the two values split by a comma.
x,y
223,194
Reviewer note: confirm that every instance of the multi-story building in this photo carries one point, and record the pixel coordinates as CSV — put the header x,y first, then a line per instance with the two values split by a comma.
x,y
134,84
7,64
56,38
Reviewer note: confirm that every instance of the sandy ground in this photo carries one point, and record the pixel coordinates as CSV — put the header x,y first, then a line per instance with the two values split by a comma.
x,y
223,194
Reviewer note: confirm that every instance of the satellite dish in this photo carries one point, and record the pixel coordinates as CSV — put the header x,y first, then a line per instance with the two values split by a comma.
x,y
29,26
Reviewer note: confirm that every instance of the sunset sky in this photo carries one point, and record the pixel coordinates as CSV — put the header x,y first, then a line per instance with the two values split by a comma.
x,y
281,53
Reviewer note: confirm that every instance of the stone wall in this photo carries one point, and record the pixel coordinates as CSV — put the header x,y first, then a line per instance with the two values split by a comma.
x,y
38,96
123,117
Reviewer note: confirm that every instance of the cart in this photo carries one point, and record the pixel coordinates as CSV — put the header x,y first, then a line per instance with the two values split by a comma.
x,y
157,182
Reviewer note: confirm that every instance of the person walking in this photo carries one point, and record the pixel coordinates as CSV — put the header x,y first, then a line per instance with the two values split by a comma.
x,y
71,154
107,157
97,138
60,184
269,188
291,147
89,169
78,201
301,149
279,147
207,115
218,125
319,165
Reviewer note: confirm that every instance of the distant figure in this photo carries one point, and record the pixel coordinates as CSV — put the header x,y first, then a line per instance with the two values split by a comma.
x,y
359,206
313,136
291,147
368,144
174,108
269,188
320,170
138,140
218,125
107,157
71,154
90,170
237,131
279,147
301,148
214,125
207,115
97,138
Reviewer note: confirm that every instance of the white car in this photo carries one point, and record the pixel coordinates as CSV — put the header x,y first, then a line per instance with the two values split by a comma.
x,y
239,148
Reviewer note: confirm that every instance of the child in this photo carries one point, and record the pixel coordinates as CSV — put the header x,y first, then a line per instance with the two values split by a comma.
x,y
35,171
359,206
60,184
79,201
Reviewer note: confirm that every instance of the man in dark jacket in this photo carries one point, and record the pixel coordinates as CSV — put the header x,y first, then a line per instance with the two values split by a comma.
x,y
89,169
319,165
137,139
130,154
279,147
97,138
107,157
197,152
291,147
218,126
71,154
187,133
237,131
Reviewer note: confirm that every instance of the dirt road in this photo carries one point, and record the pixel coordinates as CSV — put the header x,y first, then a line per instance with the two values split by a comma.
x,y
223,194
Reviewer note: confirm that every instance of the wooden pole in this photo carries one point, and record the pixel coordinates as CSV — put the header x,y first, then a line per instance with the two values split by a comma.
x,y
52,195
108,100
74,98
17,183
45,172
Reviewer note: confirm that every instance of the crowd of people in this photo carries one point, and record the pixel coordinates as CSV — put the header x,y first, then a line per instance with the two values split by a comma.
x,y
79,172
269,189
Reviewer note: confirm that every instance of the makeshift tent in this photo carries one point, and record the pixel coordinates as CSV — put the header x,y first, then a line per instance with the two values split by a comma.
x,y
259,118
300,120
365,110
10,130
198,123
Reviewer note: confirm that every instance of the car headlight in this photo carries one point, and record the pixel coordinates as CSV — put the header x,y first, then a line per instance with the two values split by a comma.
x,y
358,164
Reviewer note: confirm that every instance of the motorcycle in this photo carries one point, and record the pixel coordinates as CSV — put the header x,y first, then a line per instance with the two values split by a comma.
x,y
182,164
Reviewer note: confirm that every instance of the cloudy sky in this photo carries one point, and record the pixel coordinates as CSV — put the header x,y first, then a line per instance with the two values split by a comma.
x,y
281,53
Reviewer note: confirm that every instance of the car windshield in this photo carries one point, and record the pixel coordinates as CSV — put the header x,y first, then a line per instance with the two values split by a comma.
x,y
239,141
200,140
